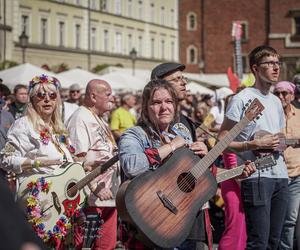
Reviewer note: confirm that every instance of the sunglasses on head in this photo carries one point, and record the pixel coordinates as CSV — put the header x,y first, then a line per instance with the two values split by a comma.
x,y
42,95
283,93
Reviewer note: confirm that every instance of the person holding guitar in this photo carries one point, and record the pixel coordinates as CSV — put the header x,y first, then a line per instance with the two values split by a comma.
x,y
148,144
157,135
264,194
173,73
37,142
94,144
284,90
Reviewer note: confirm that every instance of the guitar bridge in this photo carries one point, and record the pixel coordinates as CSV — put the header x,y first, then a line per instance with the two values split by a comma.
x,y
56,202
166,202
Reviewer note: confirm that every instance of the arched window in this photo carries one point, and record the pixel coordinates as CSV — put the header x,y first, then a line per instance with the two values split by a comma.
x,y
191,21
192,55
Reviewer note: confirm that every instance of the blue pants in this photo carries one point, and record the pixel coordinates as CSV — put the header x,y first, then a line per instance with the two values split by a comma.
x,y
265,202
287,236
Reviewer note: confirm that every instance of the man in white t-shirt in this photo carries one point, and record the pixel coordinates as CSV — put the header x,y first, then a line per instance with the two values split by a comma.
x,y
264,194
93,141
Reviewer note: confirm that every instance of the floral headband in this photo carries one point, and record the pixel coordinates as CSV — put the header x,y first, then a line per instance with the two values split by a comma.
x,y
43,79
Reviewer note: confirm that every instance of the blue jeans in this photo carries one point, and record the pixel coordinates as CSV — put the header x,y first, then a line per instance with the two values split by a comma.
x,y
265,202
287,235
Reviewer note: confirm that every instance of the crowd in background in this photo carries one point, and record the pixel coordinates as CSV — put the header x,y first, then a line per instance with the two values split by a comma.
x,y
206,111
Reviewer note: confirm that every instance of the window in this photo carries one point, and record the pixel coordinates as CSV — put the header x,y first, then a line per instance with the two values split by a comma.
x,y
162,15
105,41
93,4
152,13
152,47
129,42
118,43
163,49
44,30
192,55
77,36
140,46
297,25
25,24
191,21
172,18
61,33
103,5
118,7
93,38
129,8
172,51
140,10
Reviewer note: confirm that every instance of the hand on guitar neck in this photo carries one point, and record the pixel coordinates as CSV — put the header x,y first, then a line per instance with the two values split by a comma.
x,y
268,142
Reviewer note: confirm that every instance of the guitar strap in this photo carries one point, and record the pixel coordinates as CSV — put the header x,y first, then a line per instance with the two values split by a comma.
x,y
208,229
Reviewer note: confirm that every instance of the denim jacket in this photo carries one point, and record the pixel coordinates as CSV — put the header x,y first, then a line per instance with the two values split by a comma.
x,y
132,147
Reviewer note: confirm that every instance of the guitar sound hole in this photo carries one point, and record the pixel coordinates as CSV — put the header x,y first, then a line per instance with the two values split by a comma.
x,y
72,191
186,182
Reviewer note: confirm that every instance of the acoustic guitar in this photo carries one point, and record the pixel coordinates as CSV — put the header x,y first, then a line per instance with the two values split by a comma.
x,y
163,204
66,192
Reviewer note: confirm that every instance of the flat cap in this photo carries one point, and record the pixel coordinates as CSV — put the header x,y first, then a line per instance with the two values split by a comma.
x,y
161,70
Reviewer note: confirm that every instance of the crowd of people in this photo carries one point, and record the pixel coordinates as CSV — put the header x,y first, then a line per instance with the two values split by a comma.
x,y
44,126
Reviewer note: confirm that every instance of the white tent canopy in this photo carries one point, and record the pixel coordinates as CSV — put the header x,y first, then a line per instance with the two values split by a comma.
x,y
80,76
123,81
197,88
23,73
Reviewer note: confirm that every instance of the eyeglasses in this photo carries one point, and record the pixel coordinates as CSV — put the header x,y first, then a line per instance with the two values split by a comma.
x,y
271,64
42,95
283,93
75,91
179,79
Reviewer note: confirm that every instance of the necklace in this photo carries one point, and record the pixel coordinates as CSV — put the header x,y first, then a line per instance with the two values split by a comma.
x,y
103,125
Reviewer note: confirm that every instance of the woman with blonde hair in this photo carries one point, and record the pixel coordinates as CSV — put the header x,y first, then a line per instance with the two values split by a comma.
x,y
38,144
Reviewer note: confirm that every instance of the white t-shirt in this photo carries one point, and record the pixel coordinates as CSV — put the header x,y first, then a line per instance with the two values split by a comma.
x,y
272,120
218,113
68,110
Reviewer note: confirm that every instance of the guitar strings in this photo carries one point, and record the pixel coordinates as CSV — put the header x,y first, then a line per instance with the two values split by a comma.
x,y
188,180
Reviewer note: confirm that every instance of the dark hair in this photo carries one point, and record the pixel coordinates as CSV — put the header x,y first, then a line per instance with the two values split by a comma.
x,y
259,52
147,96
19,86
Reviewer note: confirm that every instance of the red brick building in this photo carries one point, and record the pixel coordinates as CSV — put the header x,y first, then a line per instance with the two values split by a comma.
x,y
205,39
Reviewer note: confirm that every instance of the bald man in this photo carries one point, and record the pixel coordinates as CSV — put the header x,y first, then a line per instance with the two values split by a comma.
x,y
94,143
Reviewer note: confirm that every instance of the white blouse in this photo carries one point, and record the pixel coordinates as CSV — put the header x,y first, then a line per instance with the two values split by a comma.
x,y
23,143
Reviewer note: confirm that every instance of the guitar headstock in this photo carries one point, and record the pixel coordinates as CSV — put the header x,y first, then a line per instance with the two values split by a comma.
x,y
254,110
265,162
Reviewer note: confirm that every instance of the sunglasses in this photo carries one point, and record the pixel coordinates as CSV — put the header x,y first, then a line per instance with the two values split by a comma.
x,y
75,91
283,93
42,95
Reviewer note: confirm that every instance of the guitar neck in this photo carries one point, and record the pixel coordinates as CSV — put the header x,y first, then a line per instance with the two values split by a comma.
x,y
291,142
212,155
96,172
231,173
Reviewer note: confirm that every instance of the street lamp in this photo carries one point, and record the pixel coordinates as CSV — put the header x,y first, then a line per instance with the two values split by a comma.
x,y
133,54
23,40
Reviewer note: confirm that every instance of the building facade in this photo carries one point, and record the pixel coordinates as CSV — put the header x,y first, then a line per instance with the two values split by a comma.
x,y
205,28
86,33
